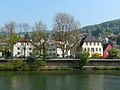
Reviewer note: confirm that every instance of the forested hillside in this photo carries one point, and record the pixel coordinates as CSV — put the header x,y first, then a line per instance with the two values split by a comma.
x,y
103,28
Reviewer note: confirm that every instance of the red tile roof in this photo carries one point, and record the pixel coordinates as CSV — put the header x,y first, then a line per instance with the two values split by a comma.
x,y
24,39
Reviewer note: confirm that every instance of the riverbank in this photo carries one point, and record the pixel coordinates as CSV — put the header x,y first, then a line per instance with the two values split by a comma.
x,y
56,65
83,68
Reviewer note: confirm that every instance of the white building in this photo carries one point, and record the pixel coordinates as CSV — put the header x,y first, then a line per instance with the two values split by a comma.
x,y
54,49
92,45
23,48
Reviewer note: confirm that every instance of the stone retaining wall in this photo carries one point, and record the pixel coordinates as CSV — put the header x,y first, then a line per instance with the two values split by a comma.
x,y
92,62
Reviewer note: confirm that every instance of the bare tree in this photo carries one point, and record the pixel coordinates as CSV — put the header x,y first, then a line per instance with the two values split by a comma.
x,y
66,30
11,36
22,29
40,38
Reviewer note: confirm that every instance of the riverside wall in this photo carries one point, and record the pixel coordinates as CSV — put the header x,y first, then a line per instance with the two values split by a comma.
x,y
75,63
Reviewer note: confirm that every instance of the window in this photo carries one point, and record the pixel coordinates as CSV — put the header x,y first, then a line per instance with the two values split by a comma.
x,y
86,43
92,49
99,49
88,49
18,53
24,48
18,48
94,43
53,49
90,43
96,49
50,49
30,53
98,43
30,48
54,54
51,44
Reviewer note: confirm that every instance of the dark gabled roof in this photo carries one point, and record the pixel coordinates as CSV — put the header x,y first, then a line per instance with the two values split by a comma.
x,y
91,38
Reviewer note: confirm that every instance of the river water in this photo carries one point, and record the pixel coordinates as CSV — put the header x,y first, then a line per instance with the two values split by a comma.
x,y
66,80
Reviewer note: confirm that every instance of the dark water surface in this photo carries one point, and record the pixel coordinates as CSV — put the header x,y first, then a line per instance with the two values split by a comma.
x,y
67,80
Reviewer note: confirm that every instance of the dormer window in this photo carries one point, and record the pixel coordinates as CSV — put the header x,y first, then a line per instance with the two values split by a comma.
x,y
86,43
98,43
90,43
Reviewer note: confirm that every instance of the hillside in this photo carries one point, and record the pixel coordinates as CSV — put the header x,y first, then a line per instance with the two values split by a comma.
x,y
105,27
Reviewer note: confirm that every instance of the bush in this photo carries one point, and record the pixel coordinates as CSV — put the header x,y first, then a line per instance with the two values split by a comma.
x,y
26,67
84,58
102,68
113,53
95,55
18,65
37,65
15,64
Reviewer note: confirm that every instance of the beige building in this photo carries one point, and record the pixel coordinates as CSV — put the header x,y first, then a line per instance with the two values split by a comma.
x,y
92,45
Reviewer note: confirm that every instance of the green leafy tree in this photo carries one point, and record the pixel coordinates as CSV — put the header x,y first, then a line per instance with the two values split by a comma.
x,y
84,58
118,40
105,27
113,53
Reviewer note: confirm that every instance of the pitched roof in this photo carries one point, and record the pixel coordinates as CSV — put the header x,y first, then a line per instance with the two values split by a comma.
x,y
88,38
105,45
24,39
91,38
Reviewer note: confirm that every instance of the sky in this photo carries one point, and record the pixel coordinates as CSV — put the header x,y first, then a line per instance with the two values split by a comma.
x,y
87,12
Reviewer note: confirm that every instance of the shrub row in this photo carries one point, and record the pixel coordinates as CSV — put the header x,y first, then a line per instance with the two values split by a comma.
x,y
107,68
22,65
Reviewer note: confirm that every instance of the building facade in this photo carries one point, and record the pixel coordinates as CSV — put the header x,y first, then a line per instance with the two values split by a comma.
x,y
92,45
23,48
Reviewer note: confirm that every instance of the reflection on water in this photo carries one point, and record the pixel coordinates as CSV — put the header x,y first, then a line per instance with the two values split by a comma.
x,y
92,80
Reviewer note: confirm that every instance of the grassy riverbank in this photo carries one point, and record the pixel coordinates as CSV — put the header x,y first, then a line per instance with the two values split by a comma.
x,y
101,68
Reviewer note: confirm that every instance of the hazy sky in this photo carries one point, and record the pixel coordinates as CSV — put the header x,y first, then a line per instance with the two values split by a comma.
x,y
87,12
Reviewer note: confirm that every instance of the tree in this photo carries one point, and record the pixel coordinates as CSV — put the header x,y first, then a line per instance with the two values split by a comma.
x,y
118,40
11,35
65,30
113,53
40,38
23,29
84,58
